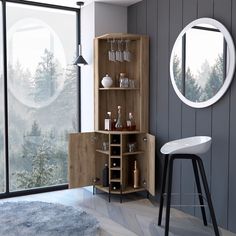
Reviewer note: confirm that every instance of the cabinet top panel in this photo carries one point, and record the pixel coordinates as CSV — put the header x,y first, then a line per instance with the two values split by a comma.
x,y
118,132
121,36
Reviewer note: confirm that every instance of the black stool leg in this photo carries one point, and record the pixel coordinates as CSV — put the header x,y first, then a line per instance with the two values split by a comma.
x,y
121,194
195,169
109,193
168,201
163,189
208,196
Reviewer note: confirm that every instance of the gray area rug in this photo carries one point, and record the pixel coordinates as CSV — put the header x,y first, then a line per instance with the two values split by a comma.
x,y
44,219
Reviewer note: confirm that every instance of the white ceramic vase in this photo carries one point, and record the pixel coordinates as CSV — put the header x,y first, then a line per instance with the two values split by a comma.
x,y
107,81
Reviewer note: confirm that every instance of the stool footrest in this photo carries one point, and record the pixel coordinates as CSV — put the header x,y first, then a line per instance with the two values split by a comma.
x,y
180,205
190,194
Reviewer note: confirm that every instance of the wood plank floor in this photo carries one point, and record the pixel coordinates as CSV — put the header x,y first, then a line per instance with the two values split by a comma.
x,y
135,216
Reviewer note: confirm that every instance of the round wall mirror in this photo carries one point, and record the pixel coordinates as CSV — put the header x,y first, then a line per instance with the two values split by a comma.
x,y
202,62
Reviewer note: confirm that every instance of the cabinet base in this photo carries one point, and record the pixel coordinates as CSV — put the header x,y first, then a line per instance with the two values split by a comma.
x,y
120,192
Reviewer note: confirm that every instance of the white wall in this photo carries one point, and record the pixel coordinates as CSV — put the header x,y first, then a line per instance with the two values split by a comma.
x,y
87,35
110,18
96,19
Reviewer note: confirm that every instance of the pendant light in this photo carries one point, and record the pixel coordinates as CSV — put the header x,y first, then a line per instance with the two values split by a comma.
x,y
79,61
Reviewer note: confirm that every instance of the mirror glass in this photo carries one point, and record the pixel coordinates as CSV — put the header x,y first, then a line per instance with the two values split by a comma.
x,y
202,62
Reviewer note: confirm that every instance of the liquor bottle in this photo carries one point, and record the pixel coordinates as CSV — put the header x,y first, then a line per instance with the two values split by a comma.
x,y
118,125
136,175
105,176
131,126
107,124
124,81
113,124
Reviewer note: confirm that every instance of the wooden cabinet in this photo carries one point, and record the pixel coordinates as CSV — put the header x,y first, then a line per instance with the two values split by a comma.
x,y
87,160
135,99
87,154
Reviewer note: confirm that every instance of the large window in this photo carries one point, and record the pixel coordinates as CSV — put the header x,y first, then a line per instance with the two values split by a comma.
x,y
2,153
42,95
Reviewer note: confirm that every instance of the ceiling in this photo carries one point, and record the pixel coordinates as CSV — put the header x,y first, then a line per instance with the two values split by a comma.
x,y
72,3
116,2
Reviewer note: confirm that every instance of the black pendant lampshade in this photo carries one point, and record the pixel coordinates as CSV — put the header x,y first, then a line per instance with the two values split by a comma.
x,y
79,61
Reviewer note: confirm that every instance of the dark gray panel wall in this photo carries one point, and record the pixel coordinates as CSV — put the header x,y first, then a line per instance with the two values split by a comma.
x,y
175,108
170,119
232,144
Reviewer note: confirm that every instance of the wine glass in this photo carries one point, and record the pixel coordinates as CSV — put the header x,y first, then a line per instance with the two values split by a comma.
x,y
111,52
119,53
127,53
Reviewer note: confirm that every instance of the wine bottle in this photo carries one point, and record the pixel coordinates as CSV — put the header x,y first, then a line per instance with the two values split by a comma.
x,y
136,175
118,125
105,176
115,151
131,126
108,121
115,186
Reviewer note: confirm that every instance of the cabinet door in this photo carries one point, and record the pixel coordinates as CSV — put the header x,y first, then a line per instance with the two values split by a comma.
x,y
81,159
151,164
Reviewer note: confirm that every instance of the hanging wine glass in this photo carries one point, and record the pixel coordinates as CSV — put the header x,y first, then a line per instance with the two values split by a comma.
x,y
119,52
111,52
127,53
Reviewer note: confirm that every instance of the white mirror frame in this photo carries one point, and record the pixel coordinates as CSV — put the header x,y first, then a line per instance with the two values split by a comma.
x,y
230,74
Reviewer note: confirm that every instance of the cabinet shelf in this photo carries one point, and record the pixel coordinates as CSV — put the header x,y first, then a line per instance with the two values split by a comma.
x,y
115,180
118,132
133,153
127,190
130,189
106,189
115,168
117,89
115,157
102,151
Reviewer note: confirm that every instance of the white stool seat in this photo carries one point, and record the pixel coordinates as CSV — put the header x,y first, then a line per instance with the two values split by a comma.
x,y
191,145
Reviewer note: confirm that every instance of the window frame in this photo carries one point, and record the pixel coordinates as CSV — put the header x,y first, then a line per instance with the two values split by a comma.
x,y
7,192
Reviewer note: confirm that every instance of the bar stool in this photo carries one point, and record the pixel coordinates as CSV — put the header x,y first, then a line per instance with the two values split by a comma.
x,y
186,148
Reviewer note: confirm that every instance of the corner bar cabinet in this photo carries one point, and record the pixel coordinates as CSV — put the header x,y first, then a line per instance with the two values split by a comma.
x,y
87,156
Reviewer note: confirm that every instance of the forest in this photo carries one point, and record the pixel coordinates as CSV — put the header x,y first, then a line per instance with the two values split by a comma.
x,y
42,111
201,86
